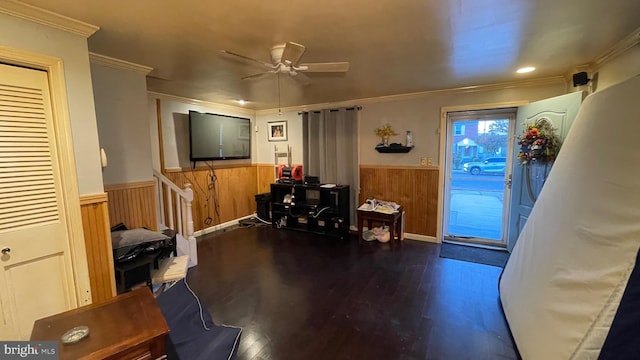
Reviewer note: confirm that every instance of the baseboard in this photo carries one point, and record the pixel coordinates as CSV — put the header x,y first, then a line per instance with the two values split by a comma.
x,y
409,236
425,238
220,226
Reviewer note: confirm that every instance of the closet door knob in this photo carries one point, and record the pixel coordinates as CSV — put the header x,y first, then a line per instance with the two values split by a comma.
x,y
5,251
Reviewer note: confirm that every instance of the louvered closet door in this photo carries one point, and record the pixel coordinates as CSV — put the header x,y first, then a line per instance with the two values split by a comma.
x,y
35,275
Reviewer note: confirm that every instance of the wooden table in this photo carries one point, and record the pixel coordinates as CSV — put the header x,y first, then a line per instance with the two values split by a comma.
x,y
128,326
395,221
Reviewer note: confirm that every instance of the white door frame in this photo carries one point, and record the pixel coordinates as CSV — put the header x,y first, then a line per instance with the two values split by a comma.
x,y
63,137
442,164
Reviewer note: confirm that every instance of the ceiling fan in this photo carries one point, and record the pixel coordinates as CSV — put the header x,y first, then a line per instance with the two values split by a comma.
x,y
285,59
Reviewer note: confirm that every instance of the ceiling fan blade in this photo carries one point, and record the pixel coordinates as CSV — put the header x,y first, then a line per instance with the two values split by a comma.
x,y
255,76
226,52
292,53
324,67
301,78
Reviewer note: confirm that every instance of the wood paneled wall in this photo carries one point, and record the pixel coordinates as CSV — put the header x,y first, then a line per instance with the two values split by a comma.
x,y
97,237
230,196
266,177
133,204
415,188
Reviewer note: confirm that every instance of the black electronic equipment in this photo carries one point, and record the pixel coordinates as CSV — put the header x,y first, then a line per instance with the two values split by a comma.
x,y
312,196
315,208
334,198
581,78
286,172
311,180
218,137
286,181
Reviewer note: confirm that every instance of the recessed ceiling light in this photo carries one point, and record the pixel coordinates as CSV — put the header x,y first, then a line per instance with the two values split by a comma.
x,y
241,102
525,70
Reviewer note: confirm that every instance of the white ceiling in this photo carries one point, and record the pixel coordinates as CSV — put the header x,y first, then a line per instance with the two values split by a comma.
x,y
394,46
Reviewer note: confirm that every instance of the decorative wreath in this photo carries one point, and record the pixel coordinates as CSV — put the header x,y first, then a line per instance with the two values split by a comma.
x,y
538,143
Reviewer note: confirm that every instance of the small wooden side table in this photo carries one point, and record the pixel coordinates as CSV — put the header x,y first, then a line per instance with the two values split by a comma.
x,y
395,221
128,326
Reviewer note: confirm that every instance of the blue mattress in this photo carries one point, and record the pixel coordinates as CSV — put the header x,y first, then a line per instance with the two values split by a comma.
x,y
192,337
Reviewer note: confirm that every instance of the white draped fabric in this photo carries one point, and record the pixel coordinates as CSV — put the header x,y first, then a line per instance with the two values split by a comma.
x,y
563,282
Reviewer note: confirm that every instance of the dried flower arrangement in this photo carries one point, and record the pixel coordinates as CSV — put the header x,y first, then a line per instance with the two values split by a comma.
x,y
538,143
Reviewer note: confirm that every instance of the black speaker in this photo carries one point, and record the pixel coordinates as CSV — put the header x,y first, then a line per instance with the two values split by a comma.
x,y
580,78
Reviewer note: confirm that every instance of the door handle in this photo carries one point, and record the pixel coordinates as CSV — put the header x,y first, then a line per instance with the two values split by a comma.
x,y
508,181
5,251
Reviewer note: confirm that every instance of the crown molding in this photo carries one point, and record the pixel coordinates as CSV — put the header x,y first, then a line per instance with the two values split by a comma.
x,y
46,17
118,64
549,80
616,50
234,109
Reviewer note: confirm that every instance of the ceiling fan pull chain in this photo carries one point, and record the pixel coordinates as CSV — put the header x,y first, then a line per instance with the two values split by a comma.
x,y
279,106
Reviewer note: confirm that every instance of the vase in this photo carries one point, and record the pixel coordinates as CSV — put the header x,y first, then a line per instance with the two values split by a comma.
x,y
409,138
385,140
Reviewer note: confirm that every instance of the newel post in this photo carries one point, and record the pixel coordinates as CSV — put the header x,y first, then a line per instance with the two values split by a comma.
x,y
188,197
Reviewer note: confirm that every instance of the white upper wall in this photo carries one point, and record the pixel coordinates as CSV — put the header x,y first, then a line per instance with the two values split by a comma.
x,y
267,149
72,49
418,113
121,111
421,115
623,67
175,129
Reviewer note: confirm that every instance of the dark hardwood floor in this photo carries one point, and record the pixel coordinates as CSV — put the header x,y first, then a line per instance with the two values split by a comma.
x,y
302,296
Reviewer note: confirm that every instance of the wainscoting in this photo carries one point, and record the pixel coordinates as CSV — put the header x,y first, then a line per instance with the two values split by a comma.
x,y
415,188
234,195
97,237
133,204
266,177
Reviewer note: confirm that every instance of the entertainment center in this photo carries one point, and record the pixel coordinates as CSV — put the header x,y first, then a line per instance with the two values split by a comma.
x,y
321,209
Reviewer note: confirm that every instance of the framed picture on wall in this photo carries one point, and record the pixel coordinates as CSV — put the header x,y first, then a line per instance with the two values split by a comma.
x,y
277,130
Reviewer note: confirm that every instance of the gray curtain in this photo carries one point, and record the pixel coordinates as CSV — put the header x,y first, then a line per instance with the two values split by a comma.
x,y
330,149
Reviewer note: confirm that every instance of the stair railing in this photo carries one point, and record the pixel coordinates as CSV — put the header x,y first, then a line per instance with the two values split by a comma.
x,y
174,208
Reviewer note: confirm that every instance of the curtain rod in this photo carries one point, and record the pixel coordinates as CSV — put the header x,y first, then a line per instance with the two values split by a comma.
x,y
331,110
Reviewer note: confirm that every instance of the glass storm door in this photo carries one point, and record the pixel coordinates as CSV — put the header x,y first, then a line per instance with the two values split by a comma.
x,y
477,176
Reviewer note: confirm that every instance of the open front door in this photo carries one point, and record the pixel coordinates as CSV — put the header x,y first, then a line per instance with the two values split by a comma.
x,y
526,183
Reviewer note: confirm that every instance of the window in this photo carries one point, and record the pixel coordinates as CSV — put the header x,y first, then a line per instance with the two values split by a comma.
x,y
458,129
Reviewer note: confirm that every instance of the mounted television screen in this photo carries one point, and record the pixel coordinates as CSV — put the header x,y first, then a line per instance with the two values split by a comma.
x,y
218,137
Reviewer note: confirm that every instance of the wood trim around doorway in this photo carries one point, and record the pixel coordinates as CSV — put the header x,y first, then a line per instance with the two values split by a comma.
x,y
62,132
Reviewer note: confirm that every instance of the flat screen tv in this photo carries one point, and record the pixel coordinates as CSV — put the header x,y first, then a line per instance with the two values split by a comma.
x,y
218,137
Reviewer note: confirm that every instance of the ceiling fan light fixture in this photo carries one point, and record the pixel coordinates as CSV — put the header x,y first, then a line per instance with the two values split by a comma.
x,y
526,69
285,59
276,53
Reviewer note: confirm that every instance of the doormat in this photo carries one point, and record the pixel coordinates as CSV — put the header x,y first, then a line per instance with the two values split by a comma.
x,y
474,254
